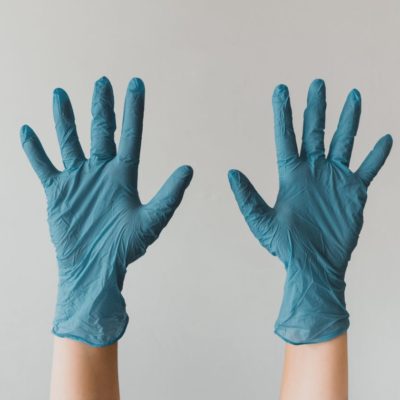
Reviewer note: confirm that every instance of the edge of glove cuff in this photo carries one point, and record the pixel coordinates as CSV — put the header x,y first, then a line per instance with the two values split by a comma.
x,y
92,343
321,339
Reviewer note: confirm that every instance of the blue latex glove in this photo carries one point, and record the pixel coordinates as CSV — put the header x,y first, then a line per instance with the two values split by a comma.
x,y
315,223
97,221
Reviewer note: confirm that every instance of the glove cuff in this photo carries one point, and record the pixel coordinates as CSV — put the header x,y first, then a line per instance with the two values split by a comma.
x,y
313,308
93,313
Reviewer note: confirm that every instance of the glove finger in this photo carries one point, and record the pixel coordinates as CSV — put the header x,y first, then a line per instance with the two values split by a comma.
x,y
285,140
163,205
343,139
71,150
314,121
41,164
375,159
253,207
103,122
132,124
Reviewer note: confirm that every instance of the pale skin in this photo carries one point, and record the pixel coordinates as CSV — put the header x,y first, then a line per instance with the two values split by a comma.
x,y
316,371
311,372
83,372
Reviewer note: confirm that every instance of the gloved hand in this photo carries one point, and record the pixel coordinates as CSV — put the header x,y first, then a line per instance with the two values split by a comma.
x,y
97,221
315,223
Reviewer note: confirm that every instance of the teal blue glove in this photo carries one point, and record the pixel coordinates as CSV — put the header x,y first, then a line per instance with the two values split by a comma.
x,y
315,223
97,221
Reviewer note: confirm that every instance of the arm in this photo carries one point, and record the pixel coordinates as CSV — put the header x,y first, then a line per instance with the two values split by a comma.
x,y
83,372
313,228
316,371
98,226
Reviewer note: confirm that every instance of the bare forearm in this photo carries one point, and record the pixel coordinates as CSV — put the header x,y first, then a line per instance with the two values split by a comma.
x,y
82,372
316,371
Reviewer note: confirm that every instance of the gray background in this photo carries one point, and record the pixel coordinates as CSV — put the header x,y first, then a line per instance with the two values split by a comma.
x,y
204,298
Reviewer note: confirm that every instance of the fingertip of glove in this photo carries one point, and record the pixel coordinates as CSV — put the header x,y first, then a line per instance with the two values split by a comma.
x,y
356,95
25,133
281,92
233,176
59,93
316,93
186,170
231,173
136,85
103,81
317,84
387,141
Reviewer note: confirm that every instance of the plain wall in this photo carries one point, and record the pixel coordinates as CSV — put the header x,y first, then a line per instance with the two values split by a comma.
x,y
204,298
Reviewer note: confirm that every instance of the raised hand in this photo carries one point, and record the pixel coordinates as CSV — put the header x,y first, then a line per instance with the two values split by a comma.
x,y
97,221
317,218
